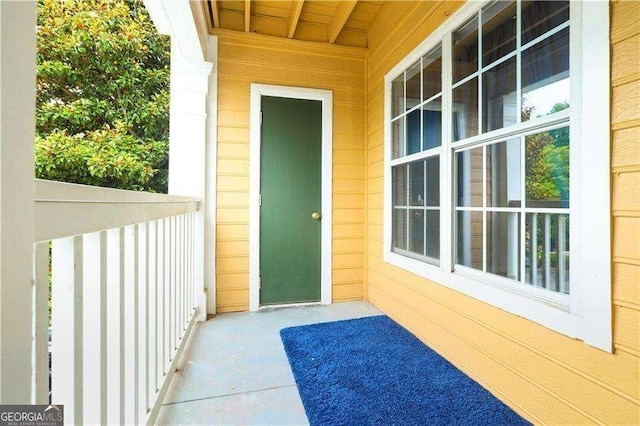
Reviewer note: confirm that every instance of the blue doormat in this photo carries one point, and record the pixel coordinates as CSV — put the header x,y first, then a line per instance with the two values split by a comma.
x,y
373,371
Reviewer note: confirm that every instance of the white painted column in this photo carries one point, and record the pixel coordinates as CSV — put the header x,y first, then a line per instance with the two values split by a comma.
x,y
188,149
17,126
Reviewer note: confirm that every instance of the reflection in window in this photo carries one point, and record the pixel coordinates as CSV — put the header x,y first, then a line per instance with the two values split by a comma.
x,y
416,209
547,169
547,251
498,104
503,186
465,110
465,50
545,76
498,31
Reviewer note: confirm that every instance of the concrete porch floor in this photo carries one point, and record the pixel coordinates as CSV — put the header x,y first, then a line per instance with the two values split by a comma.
x,y
235,371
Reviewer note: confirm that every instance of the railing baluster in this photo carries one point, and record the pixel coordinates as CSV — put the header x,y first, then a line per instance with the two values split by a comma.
x,y
143,287
534,249
562,279
190,263
547,250
167,301
159,372
183,243
40,377
178,244
130,319
94,321
115,326
172,298
67,326
152,298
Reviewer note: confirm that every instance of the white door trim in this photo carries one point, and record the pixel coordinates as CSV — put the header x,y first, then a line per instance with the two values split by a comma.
x,y
326,97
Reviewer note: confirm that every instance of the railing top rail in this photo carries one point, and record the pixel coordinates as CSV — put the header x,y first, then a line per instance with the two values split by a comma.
x,y
64,209
50,191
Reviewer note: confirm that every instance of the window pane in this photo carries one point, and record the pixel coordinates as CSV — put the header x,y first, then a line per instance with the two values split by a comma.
x,y
469,239
432,74
416,231
416,183
547,251
503,244
413,131
538,17
413,86
397,96
399,231
547,169
432,228
503,174
432,124
499,108
465,50
465,110
469,178
399,185
545,76
432,180
498,31
398,138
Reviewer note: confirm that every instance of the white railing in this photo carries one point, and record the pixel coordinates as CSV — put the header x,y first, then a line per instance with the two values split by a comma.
x,y
121,267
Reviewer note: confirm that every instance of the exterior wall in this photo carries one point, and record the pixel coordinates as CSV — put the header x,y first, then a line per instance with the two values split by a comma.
x,y
544,376
245,59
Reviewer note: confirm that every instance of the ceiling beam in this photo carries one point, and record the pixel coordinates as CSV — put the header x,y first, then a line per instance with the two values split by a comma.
x,y
216,13
247,16
294,17
340,18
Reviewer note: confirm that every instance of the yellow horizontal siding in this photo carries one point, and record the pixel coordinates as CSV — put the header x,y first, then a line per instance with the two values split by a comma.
x,y
246,59
546,377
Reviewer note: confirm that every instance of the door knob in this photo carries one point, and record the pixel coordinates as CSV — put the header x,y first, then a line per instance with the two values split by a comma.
x,y
315,216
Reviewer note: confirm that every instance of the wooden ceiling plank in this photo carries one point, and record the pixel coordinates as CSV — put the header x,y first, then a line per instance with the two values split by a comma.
x,y
294,17
340,18
247,16
216,13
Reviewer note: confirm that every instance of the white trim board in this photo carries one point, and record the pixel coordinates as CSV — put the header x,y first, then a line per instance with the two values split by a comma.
x,y
326,97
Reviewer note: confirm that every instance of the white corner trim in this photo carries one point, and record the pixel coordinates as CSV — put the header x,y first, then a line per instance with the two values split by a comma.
x,y
211,173
595,198
326,97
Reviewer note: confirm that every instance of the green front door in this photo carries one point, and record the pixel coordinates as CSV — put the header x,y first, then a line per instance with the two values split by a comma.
x,y
290,176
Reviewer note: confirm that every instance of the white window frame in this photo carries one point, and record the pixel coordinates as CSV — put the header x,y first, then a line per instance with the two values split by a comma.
x,y
585,313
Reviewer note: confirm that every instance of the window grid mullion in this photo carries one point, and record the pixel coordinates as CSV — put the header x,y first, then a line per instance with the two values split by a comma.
x,y
523,210
404,112
447,214
424,210
518,61
480,129
421,100
484,208
407,215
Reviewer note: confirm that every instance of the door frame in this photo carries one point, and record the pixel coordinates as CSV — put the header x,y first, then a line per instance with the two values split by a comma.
x,y
326,97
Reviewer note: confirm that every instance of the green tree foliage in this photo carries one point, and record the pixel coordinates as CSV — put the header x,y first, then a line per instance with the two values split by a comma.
x,y
547,162
102,111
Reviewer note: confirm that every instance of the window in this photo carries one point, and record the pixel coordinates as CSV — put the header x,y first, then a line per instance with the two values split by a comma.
x,y
486,142
417,136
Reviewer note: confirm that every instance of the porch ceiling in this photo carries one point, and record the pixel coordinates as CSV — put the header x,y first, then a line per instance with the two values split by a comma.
x,y
342,22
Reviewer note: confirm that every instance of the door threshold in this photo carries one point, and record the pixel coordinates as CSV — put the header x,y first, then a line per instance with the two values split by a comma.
x,y
289,305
